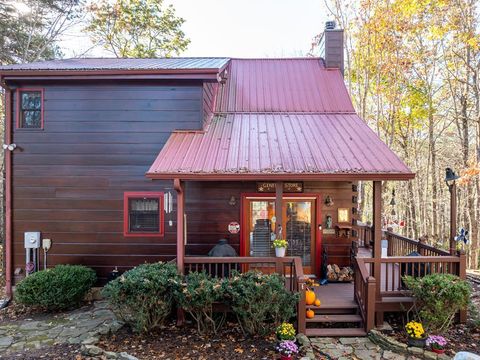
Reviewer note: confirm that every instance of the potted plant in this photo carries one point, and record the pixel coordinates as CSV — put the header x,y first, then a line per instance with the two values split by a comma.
x,y
285,331
437,343
416,334
287,349
280,246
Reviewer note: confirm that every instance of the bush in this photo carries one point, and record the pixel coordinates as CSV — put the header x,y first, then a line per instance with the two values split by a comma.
x,y
61,287
143,297
197,295
438,297
261,302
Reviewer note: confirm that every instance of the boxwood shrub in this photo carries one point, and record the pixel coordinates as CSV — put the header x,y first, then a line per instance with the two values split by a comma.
x,y
260,301
61,287
438,297
143,297
197,295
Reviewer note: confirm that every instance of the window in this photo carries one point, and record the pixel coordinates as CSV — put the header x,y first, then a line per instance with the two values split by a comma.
x,y
30,109
143,214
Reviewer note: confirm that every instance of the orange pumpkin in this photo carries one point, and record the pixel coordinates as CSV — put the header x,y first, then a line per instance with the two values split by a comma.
x,y
317,302
310,314
309,297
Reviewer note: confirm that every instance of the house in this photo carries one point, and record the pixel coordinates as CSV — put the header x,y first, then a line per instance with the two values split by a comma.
x,y
124,161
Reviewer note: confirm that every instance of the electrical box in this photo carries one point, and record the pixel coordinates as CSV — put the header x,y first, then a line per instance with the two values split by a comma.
x,y
32,240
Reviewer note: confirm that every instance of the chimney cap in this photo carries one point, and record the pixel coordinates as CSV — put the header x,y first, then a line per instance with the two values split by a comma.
x,y
330,25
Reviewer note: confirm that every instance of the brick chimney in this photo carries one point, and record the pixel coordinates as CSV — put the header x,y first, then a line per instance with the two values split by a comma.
x,y
331,46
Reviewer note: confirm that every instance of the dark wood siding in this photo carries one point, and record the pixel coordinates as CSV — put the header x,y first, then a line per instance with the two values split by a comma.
x,y
98,142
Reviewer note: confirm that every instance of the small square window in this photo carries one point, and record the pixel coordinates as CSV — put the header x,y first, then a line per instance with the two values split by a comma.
x,y
143,214
30,109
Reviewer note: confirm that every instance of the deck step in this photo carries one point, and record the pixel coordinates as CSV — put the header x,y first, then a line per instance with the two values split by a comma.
x,y
333,332
340,318
329,306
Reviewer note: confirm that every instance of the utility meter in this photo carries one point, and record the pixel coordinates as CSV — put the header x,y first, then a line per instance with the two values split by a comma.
x,y
32,240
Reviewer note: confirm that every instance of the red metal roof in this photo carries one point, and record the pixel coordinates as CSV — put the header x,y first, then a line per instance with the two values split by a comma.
x,y
283,85
86,64
261,145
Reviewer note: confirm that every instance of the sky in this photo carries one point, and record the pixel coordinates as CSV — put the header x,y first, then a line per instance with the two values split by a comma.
x,y
238,28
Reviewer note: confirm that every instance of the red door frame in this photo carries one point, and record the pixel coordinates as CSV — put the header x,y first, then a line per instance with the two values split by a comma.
x,y
318,221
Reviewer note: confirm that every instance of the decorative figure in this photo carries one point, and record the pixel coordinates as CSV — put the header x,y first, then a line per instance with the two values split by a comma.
x,y
462,239
328,224
328,201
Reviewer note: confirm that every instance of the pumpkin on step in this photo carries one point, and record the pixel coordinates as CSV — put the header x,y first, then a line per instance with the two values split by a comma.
x,y
309,297
317,302
310,314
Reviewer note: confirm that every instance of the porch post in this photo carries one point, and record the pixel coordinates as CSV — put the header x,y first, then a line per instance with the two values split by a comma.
x,y
377,245
278,207
453,218
177,184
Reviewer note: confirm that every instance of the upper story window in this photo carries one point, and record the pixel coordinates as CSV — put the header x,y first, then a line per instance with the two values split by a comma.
x,y
143,214
30,109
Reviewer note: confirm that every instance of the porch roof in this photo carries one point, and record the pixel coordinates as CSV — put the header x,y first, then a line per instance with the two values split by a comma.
x,y
279,146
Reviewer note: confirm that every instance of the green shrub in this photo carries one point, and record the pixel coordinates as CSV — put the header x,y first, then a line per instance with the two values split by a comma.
x,y
438,297
197,295
143,297
260,301
61,287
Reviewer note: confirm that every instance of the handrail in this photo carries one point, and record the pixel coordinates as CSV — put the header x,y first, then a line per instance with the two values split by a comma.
x,y
402,244
364,292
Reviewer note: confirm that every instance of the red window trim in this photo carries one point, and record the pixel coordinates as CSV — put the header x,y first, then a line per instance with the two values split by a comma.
x,y
18,127
142,194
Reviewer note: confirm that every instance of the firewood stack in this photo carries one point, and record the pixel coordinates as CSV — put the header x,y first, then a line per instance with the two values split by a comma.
x,y
334,273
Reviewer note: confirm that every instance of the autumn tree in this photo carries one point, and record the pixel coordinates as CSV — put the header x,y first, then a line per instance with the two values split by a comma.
x,y
137,28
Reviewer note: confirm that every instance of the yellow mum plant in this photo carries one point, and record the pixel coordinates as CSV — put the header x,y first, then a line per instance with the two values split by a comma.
x,y
415,330
285,331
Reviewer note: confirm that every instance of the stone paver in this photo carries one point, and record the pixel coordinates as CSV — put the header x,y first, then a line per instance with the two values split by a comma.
x,y
363,348
84,325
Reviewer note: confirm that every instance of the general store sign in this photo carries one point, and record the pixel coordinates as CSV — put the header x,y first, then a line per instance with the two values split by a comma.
x,y
288,187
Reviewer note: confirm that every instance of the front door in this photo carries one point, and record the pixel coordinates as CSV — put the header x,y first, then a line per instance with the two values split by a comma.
x,y
298,224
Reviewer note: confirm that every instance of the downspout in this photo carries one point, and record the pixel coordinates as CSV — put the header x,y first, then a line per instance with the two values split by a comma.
x,y
8,189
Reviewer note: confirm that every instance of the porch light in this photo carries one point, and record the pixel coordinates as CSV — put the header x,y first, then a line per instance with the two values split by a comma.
x,y
232,201
450,177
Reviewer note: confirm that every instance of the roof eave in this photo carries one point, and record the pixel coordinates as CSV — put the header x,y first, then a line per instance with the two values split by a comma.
x,y
210,73
281,176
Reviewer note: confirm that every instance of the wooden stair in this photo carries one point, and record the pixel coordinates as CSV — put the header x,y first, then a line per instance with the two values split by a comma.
x,y
336,319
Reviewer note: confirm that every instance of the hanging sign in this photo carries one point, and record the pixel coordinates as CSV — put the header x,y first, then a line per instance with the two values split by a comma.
x,y
234,227
288,187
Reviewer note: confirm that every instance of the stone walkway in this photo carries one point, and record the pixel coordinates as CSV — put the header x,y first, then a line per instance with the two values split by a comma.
x,y
353,348
82,326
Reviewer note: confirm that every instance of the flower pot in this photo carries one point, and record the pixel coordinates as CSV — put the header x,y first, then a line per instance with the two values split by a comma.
x,y
280,251
286,357
420,343
438,351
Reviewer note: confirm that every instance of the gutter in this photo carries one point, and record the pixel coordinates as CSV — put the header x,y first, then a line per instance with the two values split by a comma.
x,y
8,189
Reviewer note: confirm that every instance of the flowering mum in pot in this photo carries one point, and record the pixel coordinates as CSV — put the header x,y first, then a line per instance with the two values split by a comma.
x,y
416,334
280,245
285,331
437,343
287,348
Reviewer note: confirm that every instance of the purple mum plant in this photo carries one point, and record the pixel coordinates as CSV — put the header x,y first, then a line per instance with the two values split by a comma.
x,y
436,342
287,347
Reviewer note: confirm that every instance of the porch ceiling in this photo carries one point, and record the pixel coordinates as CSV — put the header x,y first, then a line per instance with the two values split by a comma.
x,y
280,146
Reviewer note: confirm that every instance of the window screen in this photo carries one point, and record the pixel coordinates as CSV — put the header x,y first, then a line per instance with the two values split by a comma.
x,y
30,109
144,215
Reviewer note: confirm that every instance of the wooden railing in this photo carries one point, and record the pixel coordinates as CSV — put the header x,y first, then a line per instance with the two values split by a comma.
x,y
365,235
399,245
394,268
289,267
364,292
